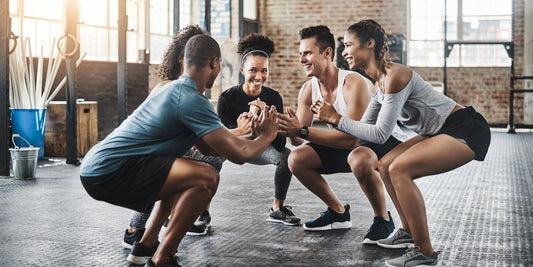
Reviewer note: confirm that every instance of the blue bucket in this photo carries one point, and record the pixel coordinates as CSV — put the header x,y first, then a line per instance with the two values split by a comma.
x,y
29,123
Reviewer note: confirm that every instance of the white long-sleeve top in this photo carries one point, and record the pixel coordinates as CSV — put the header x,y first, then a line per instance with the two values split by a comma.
x,y
418,107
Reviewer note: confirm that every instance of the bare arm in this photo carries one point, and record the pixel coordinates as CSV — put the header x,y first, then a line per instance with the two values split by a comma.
x,y
239,150
291,123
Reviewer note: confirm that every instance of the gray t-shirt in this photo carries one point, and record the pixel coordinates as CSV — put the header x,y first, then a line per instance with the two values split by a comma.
x,y
418,107
167,123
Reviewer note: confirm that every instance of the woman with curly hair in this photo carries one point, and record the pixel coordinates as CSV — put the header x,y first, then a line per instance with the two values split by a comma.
x,y
247,99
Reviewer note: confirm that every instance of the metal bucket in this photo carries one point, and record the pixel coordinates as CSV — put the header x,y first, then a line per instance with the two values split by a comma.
x,y
23,160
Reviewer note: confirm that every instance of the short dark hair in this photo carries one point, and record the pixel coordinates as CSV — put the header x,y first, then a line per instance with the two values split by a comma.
x,y
170,66
324,37
201,49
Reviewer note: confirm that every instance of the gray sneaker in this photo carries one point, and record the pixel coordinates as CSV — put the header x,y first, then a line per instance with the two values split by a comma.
x,y
400,239
413,257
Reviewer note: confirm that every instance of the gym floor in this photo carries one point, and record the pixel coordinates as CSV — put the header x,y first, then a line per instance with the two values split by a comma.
x,y
478,215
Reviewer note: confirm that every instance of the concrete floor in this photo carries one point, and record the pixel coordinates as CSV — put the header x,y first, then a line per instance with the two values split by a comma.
x,y
479,215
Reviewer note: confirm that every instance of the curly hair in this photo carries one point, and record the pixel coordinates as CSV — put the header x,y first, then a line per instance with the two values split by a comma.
x,y
170,67
365,30
324,37
256,44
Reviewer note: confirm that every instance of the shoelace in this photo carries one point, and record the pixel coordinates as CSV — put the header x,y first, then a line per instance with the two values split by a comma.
x,y
287,210
398,233
410,252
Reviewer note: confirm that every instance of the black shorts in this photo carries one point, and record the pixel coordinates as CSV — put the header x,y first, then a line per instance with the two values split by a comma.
x,y
335,160
469,127
134,185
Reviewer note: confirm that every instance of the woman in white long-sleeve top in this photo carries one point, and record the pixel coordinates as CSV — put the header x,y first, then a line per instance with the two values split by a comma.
x,y
449,135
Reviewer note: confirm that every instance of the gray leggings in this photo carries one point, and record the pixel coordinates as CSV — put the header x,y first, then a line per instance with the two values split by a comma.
x,y
282,177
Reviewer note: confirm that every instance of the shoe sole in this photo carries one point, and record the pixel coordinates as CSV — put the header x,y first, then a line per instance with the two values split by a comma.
x,y
333,226
281,221
197,234
368,241
126,245
422,265
402,245
138,260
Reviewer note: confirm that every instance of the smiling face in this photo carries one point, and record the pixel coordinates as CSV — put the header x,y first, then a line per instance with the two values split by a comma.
x,y
311,59
255,72
356,54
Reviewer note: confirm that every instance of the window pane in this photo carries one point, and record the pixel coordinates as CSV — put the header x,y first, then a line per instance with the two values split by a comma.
x,y
185,13
113,45
158,47
94,42
484,55
132,54
131,10
484,7
50,9
113,14
93,12
13,6
487,28
426,53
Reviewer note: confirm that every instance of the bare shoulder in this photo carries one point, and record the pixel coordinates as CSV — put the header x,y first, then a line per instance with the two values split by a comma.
x,y
398,76
305,95
355,82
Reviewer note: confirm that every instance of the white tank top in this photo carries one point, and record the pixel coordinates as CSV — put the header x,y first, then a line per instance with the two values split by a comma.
x,y
339,104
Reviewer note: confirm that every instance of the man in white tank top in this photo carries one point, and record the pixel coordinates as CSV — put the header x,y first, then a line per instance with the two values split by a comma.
x,y
328,149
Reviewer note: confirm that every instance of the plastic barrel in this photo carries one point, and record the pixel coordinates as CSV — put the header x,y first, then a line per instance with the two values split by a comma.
x,y
29,123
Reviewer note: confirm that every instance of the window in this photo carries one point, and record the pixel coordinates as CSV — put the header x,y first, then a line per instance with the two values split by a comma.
x,y
39,21
162,25
98,30
468,20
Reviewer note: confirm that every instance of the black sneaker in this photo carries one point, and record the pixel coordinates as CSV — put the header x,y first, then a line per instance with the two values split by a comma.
x,y
140,254
129,238
172,263
330,220
201,225
380,229
283,215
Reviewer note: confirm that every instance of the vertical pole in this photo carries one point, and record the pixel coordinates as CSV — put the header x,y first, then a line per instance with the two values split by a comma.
x,y
511,127
121,64
176,25
444,68
241,31
207,16
71,112
5,130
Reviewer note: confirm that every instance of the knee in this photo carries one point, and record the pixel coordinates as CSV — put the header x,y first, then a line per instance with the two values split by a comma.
x,y
362,163
209,178
398,174
295,160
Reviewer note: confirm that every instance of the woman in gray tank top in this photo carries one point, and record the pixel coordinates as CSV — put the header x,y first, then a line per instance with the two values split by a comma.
x,y
449,135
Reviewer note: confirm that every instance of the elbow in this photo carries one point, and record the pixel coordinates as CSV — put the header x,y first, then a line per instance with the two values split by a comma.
x,y
238,159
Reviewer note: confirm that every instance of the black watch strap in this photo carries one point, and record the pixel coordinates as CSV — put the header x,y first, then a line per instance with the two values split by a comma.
x,y
304,132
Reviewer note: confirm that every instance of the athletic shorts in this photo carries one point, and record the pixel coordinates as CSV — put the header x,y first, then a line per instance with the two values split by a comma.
x,y
469,127
335,160
134,185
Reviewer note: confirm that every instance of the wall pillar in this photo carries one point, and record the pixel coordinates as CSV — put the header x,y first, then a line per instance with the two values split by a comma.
x,y
528,60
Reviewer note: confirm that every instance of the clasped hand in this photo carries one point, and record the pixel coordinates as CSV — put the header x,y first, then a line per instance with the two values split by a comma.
x,y
326,112
266,123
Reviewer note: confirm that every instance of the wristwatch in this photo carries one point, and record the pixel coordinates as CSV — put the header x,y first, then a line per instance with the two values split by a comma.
x,y
304,132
